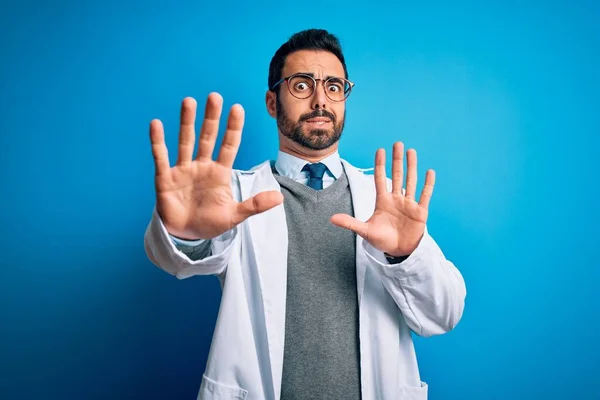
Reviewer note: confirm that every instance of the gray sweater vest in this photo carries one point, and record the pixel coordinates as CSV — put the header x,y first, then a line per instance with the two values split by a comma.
x,y
321,349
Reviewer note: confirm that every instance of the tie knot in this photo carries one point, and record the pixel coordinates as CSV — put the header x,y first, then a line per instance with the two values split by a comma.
x,y
316,170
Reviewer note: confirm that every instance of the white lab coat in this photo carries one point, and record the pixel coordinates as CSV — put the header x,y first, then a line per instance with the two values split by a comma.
x,y
425,294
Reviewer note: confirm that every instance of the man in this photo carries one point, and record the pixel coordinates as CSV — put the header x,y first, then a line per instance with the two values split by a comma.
x,y
325,270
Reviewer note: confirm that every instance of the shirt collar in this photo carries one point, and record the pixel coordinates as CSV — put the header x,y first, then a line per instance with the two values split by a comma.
x,y
291,166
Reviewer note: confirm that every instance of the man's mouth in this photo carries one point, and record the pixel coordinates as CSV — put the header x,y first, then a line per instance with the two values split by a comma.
x,y
318,121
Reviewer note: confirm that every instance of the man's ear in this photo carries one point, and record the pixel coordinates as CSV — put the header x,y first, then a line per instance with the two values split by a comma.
x,y
271,102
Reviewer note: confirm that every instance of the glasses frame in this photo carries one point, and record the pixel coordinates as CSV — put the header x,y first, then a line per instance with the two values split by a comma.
x,y
315,81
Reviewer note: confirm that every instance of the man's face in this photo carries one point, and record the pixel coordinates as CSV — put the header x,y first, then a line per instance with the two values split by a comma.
x,y
316,122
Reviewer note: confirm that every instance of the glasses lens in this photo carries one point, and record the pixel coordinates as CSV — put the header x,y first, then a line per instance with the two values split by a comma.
x,y
301,86
337,89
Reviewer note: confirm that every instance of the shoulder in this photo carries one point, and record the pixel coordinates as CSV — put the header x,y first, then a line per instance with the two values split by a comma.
x,y
364,174
352,169
247,177
257,169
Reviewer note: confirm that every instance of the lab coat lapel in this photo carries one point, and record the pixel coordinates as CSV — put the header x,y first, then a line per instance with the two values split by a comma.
x,y
269,241
363,201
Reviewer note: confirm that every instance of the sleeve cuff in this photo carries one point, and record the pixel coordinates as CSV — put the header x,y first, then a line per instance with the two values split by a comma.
x,y
194,243
187,243
410,265
225,240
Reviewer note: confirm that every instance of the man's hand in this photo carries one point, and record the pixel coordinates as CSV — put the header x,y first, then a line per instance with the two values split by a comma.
x,y
398,223
194,197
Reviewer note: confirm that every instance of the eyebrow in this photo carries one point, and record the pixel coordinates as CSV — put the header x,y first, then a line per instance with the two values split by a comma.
x,y
313,75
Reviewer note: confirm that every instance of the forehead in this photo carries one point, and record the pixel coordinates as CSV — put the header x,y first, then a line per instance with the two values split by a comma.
x,y
320,63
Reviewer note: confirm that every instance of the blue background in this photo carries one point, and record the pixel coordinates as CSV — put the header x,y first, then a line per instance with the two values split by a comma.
x,y
500,99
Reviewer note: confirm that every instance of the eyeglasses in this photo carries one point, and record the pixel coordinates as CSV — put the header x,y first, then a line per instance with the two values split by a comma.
x,y
302,86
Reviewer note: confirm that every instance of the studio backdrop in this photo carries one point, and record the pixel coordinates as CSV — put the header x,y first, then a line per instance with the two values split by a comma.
x,y
501,99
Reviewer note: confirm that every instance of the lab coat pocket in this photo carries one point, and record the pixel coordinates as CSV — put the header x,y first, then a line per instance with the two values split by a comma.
x,y
212,390
413,392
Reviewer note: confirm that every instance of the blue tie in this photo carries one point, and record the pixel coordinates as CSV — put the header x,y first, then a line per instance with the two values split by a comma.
x,y
315,175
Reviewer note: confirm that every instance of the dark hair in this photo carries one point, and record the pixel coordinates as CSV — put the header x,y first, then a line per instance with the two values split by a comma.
x,y
310,39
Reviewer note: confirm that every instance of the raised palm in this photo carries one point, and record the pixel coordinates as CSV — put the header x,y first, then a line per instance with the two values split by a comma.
x,y
194,198
398,222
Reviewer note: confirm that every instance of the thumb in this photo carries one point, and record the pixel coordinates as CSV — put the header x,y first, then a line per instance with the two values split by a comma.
x,y
255,205
347,222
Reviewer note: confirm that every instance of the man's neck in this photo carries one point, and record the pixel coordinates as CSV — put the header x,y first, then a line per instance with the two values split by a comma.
x,y
310,155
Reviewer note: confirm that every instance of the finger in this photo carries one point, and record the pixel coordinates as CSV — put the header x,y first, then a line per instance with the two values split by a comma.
x,y
397,167
210,126
380,180
233,136
411,174
260,203
427,189
159,148
187,135
347,222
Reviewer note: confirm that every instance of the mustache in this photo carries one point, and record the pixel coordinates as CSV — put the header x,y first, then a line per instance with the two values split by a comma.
x,y
317,114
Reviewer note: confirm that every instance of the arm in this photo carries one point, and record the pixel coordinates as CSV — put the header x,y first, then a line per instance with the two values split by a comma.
x,y
428,289
199,197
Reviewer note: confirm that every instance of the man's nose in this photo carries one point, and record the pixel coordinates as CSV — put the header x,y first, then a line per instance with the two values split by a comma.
x,y
319,100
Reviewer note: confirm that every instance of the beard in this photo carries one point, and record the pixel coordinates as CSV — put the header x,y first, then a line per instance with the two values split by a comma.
x,y
314,139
